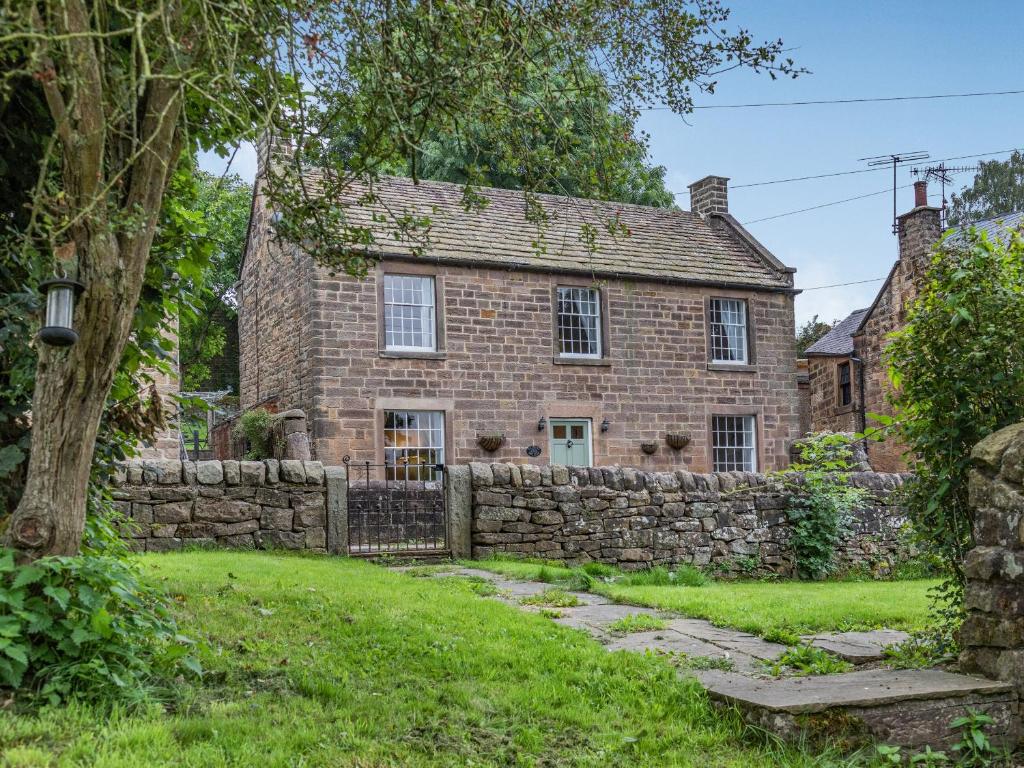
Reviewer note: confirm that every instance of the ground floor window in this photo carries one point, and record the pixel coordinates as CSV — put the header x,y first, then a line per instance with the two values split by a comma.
x,y
734,443
413,444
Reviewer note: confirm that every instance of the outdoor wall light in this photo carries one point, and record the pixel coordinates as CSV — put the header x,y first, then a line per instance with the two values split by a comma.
x,y
60,311
605,425
542,424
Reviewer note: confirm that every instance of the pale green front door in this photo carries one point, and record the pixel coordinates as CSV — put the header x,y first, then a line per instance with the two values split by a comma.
x,y
570,442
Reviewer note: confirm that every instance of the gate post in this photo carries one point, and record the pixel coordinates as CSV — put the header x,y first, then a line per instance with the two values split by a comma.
x,y
459,490
992,635
337,510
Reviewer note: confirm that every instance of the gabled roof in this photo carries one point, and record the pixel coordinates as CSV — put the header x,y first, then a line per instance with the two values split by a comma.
x,y
838,341
995,227
661,244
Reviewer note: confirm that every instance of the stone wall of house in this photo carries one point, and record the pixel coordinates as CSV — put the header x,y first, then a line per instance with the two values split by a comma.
x,y
240,504
733,521
826,412
919,230
992,635
497,372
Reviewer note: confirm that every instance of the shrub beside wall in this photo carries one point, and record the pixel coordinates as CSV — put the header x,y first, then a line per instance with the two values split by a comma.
x,y
734,521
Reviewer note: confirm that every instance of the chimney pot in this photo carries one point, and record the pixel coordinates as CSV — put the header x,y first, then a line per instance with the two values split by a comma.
x,y
920,193
710,195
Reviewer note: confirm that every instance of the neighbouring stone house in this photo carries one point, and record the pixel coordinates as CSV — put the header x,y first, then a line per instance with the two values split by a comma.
x,y
488,347
847,371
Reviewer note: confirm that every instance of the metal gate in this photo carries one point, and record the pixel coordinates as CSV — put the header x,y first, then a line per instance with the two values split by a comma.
x,y
396,509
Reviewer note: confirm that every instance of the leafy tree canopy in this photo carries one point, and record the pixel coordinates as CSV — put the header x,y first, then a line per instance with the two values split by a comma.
x,y
810,332
569,140
998,189
220,214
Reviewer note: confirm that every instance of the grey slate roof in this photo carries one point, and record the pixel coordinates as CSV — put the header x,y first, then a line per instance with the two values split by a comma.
x,y
996,227
661,244
838,341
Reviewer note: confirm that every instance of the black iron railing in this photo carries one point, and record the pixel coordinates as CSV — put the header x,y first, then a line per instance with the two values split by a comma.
x,y
396,508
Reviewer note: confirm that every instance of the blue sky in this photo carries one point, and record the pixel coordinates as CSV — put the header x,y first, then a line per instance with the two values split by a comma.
x,y
860,49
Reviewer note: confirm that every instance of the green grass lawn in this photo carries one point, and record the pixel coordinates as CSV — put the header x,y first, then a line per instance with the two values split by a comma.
x,y
316,661
764,607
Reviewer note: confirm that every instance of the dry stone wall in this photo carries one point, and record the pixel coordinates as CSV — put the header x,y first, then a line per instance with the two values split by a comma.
x,y
992,635
168,504
733,521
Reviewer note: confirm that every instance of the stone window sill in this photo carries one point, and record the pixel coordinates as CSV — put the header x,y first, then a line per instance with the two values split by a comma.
x,y
411,354
732,367
600,361
841,409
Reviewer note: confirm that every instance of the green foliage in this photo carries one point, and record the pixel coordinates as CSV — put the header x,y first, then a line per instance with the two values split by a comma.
x,y
580,581
958,374
810,332
804,660
637,622
87,628
821,503
660,576
998,189
782,635
219,212
552,598
924,649
600,570
974,750
257,428
574,142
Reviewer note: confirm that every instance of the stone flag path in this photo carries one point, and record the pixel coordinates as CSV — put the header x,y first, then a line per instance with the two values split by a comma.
x,y
909,708
693,637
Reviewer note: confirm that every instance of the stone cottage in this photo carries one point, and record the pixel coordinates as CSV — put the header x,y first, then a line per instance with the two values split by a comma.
x,y
846,369
667,344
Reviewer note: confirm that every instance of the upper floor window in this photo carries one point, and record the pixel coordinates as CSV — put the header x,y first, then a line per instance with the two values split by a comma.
x,y
579,322
845,386
410,321
733,444
728,321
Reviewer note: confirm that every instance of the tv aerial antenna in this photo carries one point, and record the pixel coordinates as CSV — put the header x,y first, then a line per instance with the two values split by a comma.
x,y
895,160
943,174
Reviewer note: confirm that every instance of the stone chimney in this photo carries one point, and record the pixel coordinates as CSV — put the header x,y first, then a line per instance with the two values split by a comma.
x,y
919,230
710,195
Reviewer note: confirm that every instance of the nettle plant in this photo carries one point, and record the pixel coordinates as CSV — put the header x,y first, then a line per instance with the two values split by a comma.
x,y
821,502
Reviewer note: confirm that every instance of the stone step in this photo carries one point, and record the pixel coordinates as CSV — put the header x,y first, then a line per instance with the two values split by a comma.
x,y
858,647
908,708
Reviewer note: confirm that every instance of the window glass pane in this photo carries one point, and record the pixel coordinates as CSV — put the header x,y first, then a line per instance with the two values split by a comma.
x,y
413,444
409,312
559,431
733,444
577,432
728,324
579,322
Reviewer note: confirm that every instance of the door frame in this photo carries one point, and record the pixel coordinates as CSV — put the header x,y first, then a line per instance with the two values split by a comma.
x,y
569,420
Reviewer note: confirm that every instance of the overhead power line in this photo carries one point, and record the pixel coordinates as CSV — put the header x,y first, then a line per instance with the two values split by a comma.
x,y
861,170
887,190
866,100
843,285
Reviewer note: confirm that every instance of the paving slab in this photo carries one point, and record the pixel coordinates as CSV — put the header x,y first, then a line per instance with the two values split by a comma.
x,y
858,647
866,688
729,639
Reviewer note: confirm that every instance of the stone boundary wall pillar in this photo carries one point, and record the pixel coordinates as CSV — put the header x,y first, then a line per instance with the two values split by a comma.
x,y
992,636
337,510
459,492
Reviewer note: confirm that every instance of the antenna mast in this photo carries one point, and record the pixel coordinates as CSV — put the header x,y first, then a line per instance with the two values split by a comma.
x,y
896,159
944,175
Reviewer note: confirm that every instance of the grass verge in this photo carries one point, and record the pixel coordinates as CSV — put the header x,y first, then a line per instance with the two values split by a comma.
x,y
316,661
